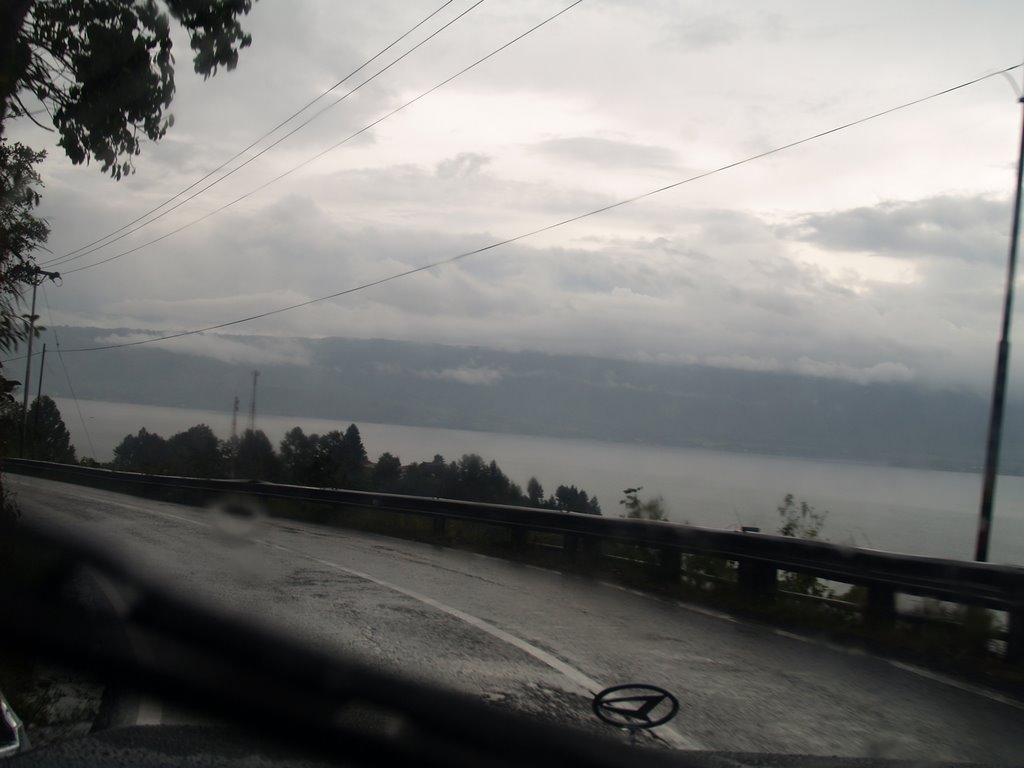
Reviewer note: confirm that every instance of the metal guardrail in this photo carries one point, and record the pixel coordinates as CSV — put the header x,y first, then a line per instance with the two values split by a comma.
x,y
759,557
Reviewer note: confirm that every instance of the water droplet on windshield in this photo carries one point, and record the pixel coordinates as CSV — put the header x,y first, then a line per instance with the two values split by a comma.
x,y
238,521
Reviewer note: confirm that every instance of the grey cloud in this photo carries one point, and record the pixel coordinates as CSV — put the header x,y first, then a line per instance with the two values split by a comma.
x,y
471,375
707,32
462,165
227,348
969,228
878,373
600,152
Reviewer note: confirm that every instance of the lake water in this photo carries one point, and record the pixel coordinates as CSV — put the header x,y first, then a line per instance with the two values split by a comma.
x,y
904,510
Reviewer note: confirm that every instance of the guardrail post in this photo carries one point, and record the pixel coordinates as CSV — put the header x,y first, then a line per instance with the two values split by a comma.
x,y
670,564
439,526
1015,636
570,546
880,612
580,550
757,579
520,539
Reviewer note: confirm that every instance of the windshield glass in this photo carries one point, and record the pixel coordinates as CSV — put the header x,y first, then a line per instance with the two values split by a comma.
x,y
530,350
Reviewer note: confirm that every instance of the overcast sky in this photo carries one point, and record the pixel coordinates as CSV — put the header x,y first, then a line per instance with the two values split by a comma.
x,y
876,253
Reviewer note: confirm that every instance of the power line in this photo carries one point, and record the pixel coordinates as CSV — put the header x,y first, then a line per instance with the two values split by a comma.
x,y
331,148
258,140
296,129
81,418
549,227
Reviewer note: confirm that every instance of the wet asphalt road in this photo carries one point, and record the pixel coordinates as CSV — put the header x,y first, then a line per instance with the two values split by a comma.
x,y
540,641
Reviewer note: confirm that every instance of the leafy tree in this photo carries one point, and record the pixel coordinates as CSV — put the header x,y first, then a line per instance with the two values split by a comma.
x,y
301,461
424,478
639,509
10,417
21,232
196,452
46,436
145,452
535,492
801,521
572,499
104,73
474,479
387,474
344,458
255,459
104,70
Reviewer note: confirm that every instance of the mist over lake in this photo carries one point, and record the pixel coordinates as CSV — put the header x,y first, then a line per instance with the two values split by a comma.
x,y
915,511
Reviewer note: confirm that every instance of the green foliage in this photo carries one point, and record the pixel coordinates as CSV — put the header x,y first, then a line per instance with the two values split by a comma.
x,y
46,436
387,474
535,492
104,70
10,417
336,459
341,459
572,499
707,570
640,509
300,458
424,478
21,233
145,452
255,459
800,521
196,452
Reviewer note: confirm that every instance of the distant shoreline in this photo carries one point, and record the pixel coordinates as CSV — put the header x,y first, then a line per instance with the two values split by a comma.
x,y
893,463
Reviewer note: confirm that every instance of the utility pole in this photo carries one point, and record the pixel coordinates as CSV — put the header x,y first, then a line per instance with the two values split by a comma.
x,y
234,437
42,362
252,403
995,424
35,276
39,395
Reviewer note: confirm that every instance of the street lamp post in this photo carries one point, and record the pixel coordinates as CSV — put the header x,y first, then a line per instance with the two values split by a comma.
x,y
995,424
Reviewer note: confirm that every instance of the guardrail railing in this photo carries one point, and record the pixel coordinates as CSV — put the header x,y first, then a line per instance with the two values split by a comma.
x,y
759,557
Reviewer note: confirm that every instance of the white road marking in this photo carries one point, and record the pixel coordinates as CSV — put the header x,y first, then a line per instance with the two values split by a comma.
x,y
677,603
940,678
587,684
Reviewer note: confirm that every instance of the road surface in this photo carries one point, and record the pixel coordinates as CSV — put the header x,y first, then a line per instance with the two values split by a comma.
x,y
540,641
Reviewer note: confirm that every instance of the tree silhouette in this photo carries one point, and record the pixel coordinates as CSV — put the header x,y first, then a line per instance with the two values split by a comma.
x,y
639,509
535,492
46,437
104,70
387,474
256,459
145,452
301,459
196,452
